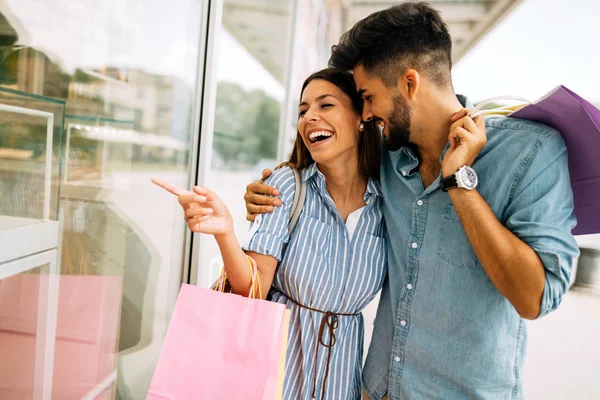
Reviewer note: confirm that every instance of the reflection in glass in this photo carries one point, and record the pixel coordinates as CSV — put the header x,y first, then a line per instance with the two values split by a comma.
x,y
19,309
250,92
128,79
30,144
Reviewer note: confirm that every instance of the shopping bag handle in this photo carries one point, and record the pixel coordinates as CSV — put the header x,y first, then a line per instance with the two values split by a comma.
x,y
498,111
255,279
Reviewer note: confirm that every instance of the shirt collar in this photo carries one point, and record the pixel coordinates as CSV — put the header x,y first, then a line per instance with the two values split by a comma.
x,y
464,100
310,171
405,159
373,187
446,147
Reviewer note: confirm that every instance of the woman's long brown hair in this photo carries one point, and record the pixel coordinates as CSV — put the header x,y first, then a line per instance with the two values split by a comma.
x,y
369,145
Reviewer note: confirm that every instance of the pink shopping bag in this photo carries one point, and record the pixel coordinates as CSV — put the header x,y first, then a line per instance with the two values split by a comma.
x,y
219,346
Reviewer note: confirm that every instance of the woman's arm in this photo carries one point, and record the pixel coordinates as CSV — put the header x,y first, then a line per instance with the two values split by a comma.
x,y
236,266
212,217
206,213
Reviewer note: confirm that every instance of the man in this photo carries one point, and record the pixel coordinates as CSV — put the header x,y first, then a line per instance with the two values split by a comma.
x,y
479,233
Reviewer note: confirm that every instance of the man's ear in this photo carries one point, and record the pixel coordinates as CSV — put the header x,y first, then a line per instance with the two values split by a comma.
x,y
410,83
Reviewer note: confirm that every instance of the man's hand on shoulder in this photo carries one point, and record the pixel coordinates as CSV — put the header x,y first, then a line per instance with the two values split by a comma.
x,y
259,198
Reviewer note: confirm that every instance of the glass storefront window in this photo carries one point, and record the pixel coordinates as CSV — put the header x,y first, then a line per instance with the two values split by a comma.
x,y
250,93
127,71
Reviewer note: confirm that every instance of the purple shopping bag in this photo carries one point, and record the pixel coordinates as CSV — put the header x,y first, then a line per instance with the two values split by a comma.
x,y
578,121
219,346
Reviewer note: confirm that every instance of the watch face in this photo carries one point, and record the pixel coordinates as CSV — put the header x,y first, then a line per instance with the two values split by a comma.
x,y
468,178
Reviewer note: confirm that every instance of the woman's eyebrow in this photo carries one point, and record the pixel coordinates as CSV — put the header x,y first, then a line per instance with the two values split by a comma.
x,y
321,97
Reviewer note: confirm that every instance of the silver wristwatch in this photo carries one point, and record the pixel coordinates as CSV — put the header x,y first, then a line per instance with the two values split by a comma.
x,y
465,178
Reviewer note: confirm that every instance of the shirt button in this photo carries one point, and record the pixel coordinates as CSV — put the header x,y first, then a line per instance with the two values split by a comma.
x,y
403,323
397,359
420,202
414,245
409,286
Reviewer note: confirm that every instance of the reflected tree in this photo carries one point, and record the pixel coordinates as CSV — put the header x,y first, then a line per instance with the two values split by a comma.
x,y
246,126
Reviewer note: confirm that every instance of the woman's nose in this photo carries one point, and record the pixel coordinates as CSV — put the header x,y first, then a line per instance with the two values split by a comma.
x,y
312,116
367,115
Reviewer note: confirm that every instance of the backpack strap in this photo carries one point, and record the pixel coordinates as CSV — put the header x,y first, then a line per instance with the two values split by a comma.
x,y
298,203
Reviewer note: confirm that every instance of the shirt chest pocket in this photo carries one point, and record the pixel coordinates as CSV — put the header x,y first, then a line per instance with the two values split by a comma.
x,y
454,247
312,245
319,233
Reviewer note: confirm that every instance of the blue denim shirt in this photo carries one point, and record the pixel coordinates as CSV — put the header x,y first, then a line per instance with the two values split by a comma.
x,y
442,329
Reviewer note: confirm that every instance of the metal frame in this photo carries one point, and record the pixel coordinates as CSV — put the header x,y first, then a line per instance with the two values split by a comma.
x,y
47,316
49,136
22,237
283,146
206,113
70,126
204,122
104,384
196,134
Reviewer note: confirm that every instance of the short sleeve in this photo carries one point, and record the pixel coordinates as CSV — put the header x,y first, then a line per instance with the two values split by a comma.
x,y
269,232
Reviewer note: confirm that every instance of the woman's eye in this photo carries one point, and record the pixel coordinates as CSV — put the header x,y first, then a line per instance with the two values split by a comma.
x,y
301,114
326,105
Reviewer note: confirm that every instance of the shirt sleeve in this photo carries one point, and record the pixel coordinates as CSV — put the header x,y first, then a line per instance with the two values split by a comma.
x,y
541,213
269,232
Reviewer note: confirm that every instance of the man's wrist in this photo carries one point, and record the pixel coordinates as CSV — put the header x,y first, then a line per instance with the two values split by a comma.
x,y
463,200
461,195
447,171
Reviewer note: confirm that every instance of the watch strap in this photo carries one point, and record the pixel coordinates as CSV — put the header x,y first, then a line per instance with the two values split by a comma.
x,y
449,182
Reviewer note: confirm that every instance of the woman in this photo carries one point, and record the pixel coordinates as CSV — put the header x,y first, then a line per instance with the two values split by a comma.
x,y
334,262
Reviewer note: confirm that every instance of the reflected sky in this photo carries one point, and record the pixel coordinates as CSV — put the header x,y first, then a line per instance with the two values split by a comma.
x,y
110,33
542,44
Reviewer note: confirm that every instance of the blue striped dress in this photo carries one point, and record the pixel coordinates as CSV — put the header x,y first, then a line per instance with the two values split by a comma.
x,y
324,269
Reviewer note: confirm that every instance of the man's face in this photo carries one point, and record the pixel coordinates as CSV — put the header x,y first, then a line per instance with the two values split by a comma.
x,y
387,106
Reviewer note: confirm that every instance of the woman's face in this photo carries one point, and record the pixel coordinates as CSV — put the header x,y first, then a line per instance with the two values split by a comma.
x,y
327,122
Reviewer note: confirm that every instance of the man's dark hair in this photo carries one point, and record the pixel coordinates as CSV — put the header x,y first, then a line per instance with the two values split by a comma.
x,y
388,42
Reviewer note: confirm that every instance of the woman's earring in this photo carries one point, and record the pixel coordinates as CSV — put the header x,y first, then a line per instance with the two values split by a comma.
x,y
361,127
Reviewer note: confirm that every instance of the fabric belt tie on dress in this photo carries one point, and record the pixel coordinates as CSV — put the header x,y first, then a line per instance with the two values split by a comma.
x,y
329,322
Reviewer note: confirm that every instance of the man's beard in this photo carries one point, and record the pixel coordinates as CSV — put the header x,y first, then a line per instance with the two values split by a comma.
x,y
398,125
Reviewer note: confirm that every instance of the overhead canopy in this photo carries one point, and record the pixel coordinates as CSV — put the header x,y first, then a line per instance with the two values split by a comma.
x,y
262,26
468,20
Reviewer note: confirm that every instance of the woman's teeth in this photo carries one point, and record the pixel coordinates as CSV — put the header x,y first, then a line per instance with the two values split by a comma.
x,y
319,135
